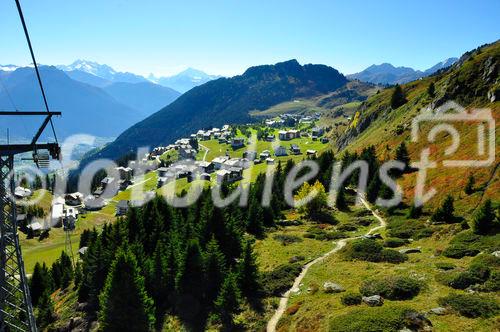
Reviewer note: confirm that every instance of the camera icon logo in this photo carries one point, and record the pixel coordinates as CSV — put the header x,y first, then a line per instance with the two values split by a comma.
x,y
449,119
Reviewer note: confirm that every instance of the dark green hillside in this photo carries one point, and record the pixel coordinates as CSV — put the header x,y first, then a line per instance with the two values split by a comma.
x,y
227,100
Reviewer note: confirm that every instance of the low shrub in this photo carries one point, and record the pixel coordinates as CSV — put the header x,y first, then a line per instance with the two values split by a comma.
x,y
351,299
423,233
285,239
484,270
280,279
471,305
459,251
392,288
347,227
405,229
364,221
372,251
394,242
445,266
380,319
335,235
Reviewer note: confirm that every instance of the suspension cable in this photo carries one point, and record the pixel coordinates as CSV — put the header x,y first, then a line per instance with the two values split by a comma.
x,y
35,64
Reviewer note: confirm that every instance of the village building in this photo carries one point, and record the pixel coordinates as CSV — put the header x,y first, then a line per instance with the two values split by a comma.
x,y
294,149
280,151
206,166
219,161
317,131
57,212
270,138
124,172
324,140
92,203
264,154
205,177
73,199
311,152
251,155
21,192
37,226
270,161
122,207
286,135
229,175
237,142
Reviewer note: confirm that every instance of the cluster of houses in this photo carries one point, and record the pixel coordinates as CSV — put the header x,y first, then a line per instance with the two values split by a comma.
x,y
290,120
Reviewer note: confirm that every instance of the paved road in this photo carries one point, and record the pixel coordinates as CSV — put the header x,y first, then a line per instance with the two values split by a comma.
x,y
273,322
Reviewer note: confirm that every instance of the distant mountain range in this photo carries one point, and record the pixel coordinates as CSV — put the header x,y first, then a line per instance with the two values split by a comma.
x,y
388,74
227,100
90,107
185,80
101,75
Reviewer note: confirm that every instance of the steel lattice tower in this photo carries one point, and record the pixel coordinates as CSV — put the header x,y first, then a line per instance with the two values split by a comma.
x,y
16,312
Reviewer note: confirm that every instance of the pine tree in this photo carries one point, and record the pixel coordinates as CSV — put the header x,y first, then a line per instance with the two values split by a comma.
x,y
40,282
483,221
227,302
248,274
45,310
469,187
415,211
445,211
125,305
431,90
340,200
398,98
403,156
373,189
215,270
255,217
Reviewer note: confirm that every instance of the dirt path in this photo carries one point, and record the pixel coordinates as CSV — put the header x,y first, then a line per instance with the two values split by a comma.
x,y
206,151
273,322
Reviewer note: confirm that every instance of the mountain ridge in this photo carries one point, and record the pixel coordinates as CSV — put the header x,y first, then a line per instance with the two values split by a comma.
x,y
386,73
227,100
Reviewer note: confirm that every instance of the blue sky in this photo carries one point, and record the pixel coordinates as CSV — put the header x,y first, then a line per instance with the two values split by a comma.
x,y
226,37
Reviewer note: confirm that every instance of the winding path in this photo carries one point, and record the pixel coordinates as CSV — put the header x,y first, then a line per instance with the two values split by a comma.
x,y
273,322
206,151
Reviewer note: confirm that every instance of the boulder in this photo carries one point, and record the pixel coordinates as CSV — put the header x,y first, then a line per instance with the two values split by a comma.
x,y
372,236
331,287
373,301
410,250
438,311
417,322
496,253
295,259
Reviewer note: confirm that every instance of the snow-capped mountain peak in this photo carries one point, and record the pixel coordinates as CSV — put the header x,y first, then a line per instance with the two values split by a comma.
x,y
8,67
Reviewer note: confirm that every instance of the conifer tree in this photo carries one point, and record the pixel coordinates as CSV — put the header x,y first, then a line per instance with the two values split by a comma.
x,y
340,200
45,310
227,302
403,156
398,98
445,211
248,274
255,217
415,211
483,221
469,187
431,90
215,270
40,282
125,305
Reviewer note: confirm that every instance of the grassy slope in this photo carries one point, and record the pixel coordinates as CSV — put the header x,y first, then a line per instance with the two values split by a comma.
x,y
383,134
315,310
